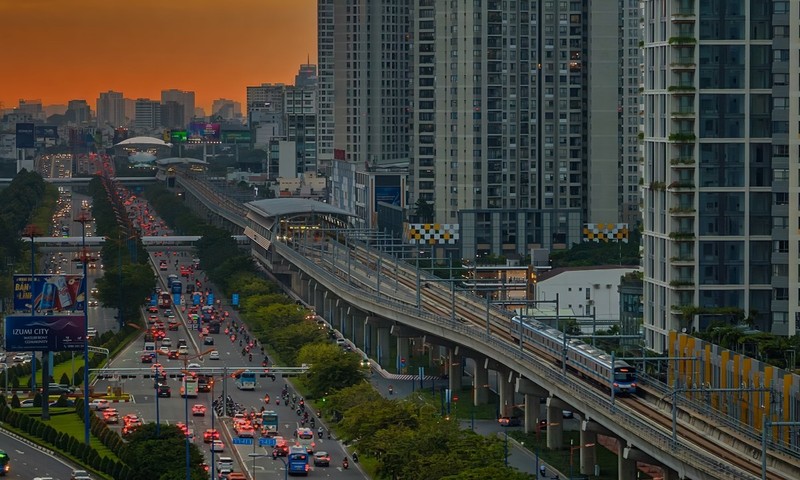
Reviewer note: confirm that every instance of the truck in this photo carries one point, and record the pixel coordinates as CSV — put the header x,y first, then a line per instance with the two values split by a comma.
x,y
163,300
5,463
189,386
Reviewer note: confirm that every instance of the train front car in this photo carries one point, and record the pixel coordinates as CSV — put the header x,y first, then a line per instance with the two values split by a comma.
x,y
624,378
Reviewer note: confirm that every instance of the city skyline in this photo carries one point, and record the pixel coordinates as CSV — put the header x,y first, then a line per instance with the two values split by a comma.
x,y
143,60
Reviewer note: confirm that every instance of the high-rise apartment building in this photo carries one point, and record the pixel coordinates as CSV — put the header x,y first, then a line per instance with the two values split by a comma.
x,y
269,96
363,80
301,125
227,109
78,112
185,98
110,109
517,125
720,190
306,76
172,115
147,115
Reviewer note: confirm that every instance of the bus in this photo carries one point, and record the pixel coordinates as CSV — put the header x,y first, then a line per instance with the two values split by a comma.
x,y
5,463
305,439
269,423
246,380
189,386
298,461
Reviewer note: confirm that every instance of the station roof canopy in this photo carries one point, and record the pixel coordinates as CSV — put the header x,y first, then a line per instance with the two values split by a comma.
x,y
282,207
179,161
143,141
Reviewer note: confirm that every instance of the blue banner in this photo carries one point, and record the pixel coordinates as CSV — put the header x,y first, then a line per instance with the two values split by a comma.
x,y
40,333
235,299
242,441
266,442
49,292
210,299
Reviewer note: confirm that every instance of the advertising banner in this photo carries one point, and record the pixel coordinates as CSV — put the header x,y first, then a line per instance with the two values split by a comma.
x,y
49,292
204,132
46,131
210,299
39,333
25,137
178,136
236,136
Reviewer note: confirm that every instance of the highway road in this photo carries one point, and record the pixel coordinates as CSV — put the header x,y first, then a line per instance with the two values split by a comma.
x,y
172,410
28,462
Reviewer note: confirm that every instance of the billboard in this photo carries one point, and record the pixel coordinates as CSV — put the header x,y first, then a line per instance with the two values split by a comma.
x,y
39,333
387,190
200,132
49,292
178,136
46,131
25,137
236,136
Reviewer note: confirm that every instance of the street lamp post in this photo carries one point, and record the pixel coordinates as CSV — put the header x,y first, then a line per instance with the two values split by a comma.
x,y
572,451
31,231
185,393
83,218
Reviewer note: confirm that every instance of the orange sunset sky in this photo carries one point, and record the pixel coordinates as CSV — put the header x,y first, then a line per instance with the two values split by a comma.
x,y
57,50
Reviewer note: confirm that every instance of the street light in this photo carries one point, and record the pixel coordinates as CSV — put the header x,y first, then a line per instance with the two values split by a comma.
x,y
185,393
83,218
572,451
31,231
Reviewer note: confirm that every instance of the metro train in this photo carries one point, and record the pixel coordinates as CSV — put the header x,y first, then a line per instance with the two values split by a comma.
x,y
585,360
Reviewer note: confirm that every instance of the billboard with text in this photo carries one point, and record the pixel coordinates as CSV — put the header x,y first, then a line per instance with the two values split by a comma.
x,y
40,333
201,132
25,135
49,292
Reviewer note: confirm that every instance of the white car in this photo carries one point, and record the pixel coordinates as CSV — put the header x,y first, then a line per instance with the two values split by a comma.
x,y
99,404
213,355
194,366
217,446
166,342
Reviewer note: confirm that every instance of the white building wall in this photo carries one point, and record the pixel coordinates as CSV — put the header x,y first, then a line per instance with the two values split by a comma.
x,y
586,291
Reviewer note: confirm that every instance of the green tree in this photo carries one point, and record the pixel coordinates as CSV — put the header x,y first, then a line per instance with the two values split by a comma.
x,y
162,457
423,211
138,281
331,368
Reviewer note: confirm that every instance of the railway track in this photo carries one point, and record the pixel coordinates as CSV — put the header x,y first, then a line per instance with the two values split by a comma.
x,y
437,300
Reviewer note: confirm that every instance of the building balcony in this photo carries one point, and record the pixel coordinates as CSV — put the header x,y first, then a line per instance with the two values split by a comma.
x,y
683,162
689,260
681,41
684,15
682,283
681,89
682,211
682,236
682,137
684,64
684,113
681,185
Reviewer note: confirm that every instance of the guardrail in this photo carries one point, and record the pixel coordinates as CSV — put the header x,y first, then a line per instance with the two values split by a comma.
x,y
636,427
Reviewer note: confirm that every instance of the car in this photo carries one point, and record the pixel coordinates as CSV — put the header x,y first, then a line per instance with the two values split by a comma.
x,y
281,448
183,350
93,302
131,419
163,350
166,342
26,403
217,446
322,459
208,340
199,410
79,475
210,434
152,309
99,404
245,431
21,357
193,366
152,317
164,391
173,325
173,355
109,419
509,421
168,313
57,388
213,355
236,476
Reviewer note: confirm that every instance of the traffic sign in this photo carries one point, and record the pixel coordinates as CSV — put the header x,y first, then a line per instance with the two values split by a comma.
x,y
455,398
266,442
242,441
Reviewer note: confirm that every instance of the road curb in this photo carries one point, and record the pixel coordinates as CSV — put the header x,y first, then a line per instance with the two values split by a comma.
x,y
26,441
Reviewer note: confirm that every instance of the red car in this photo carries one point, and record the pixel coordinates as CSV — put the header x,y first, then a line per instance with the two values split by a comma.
x,y
147,358
173,325
199,410
210,434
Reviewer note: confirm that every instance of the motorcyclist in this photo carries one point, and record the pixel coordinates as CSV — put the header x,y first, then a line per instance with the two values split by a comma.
x,y
355,457
345,463
250,357
391,390
320,431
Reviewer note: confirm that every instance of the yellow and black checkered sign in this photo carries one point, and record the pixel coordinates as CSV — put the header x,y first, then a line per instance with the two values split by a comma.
x,y
432,233
596,232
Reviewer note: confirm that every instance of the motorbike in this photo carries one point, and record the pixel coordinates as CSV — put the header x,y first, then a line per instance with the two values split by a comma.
x,y
345,464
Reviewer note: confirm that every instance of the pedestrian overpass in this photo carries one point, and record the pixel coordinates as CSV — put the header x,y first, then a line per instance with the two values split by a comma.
x,y
76,243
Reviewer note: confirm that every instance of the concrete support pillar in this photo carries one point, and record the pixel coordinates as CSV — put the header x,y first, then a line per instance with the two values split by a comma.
x,y
670,474
480,394
531,412
402,349
382,346
588,452
454,370
555,428
369,338
505,391
626,467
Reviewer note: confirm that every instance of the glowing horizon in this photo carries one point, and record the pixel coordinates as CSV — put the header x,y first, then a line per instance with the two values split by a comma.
x,y
61,51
